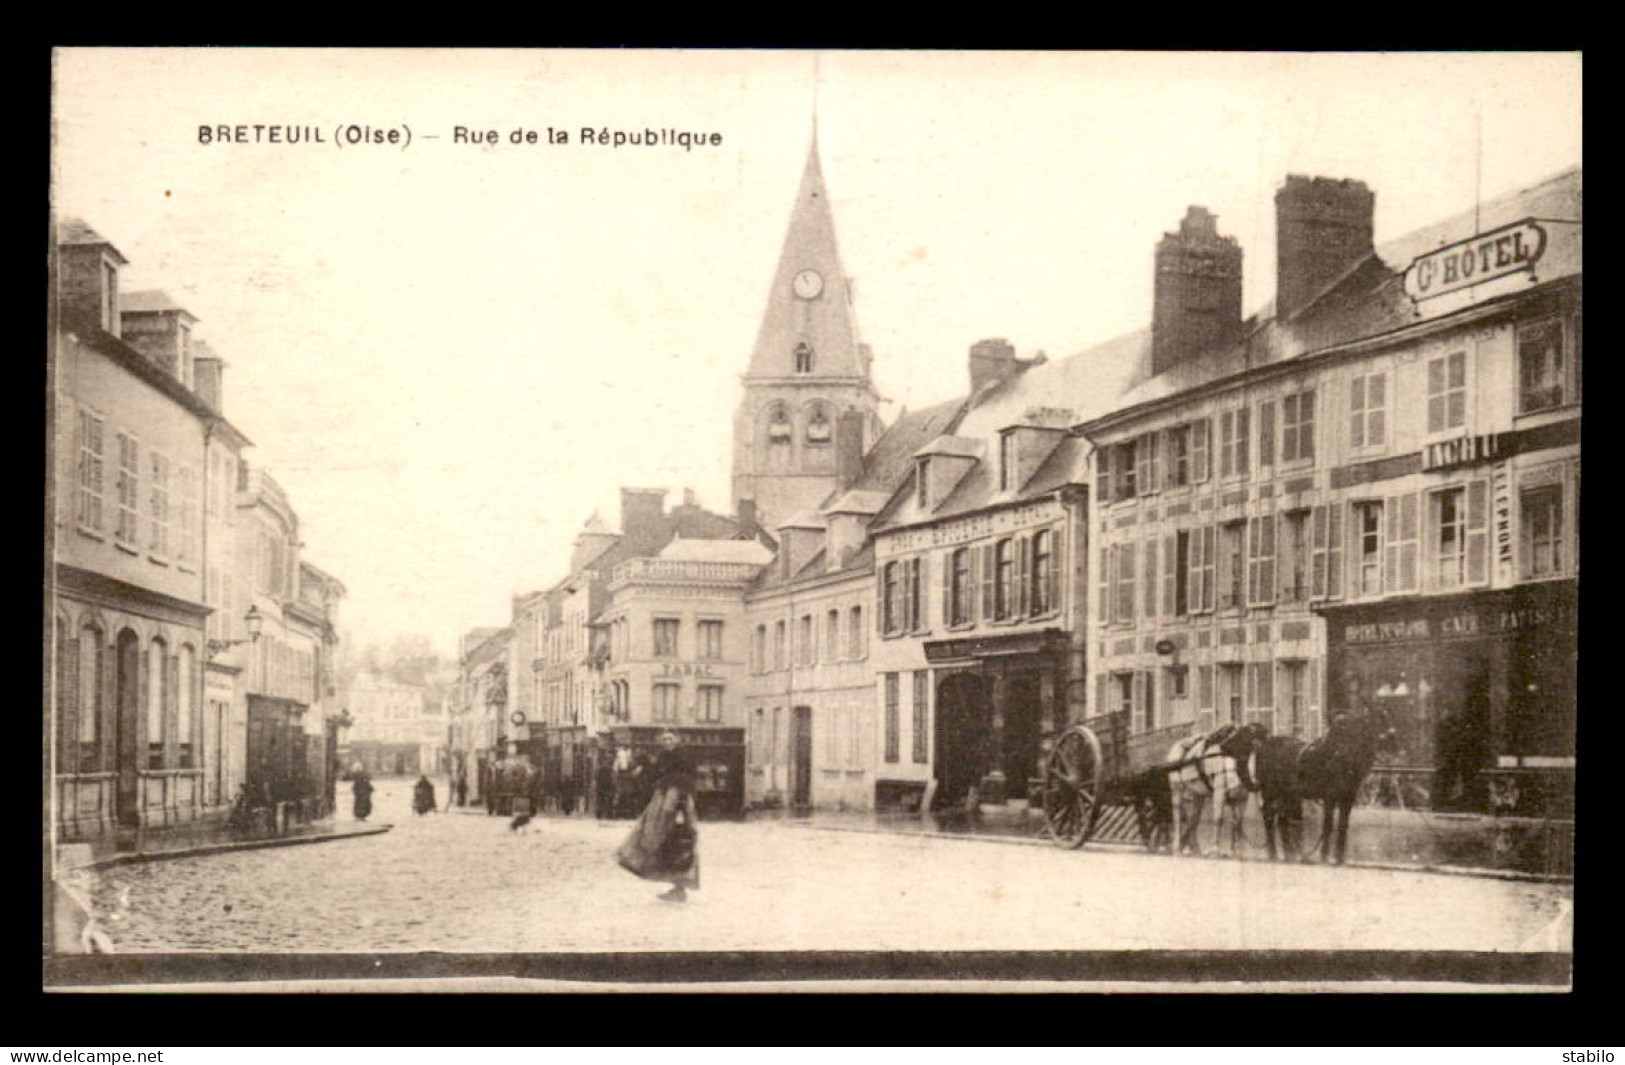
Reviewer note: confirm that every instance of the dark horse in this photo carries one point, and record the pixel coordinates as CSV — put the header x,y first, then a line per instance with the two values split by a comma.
x,y
1329,771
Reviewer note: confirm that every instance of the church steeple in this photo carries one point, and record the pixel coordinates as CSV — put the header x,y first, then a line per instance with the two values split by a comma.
x,y
809,327
808,379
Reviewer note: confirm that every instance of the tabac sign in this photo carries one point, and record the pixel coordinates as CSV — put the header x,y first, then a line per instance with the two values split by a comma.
x,y
1485,257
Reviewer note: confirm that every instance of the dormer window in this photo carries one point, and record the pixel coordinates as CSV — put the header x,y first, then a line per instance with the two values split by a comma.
x,y
804,357
1007,460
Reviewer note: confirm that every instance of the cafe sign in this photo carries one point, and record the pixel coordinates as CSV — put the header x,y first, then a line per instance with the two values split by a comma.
x,y
1485,257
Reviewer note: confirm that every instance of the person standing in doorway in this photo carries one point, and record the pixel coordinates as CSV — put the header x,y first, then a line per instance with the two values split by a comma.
x,y
663,845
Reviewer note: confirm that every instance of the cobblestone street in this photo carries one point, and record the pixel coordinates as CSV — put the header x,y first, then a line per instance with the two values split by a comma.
x,y
462,881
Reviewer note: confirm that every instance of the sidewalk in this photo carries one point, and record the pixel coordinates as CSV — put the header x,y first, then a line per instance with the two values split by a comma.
x,y
1379,837
187,841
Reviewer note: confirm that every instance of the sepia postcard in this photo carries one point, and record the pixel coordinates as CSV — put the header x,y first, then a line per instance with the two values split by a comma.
x,y
561,520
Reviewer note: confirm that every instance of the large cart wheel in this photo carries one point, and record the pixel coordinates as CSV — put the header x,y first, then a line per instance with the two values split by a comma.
x,y
1072,787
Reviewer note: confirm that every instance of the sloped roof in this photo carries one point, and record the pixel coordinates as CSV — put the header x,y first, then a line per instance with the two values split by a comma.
x,y
72,231
956,446
148,300
891,458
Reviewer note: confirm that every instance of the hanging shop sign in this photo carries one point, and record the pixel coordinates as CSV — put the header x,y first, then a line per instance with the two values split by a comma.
x,y
1485,257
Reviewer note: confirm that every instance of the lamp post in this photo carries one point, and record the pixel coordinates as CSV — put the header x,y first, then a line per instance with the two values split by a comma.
x,y
256,624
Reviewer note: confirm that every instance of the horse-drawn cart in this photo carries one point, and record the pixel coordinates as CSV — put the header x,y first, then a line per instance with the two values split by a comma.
x,y
1099,781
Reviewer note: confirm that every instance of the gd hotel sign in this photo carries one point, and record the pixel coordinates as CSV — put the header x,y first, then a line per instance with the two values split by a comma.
x,y
1485,257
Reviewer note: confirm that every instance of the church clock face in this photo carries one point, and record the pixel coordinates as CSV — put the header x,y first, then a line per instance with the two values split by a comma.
x,y
808,284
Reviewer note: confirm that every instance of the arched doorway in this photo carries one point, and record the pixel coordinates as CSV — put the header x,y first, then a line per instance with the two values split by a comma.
x,y
127,728
963,736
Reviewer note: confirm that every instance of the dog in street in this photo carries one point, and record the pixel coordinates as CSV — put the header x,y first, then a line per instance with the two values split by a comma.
x,y
520,823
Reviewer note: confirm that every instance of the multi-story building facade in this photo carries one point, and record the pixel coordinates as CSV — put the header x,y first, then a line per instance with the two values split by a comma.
x,y
1365,498
396,728
478,728
677,659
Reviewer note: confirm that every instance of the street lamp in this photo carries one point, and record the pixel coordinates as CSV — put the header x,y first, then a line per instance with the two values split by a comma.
x,y
255,622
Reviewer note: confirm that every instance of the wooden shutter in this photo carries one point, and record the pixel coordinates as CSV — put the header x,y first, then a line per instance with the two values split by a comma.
x,y
1254,554
1266,432
1478,539
1101,681
1052,572
1143,474
922,592
1317,553
1266,559
990,560
880,602
1137,714
1334,550
1104,583
1193,572
1148,581
1242,431
1103,474
1125,578
1170,575
973,560
1201,430
948,587
1023,575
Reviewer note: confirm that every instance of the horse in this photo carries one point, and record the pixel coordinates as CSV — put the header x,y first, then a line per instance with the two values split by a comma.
x,y
1214,765
1329,770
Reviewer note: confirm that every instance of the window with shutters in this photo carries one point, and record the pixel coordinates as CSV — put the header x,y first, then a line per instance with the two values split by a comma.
x,y
1540,531
1326,560
1181,573
961,587
1266,433
128,485
916,594
1177,457
158,695
158,504
1543,376
891,598
708,709
1148,465
1004,579
1045,598
1103,458
1201,431
1207,568
1261,560
921,730
88,703
88,505
1447,392
1294,697
1148,579
186,518
663,702
709,633
665,637
1232,572
1125,469
1233,459
1298,427
1231,706
1401,544
857,635
1365,519
893,722
1122,695
1368,411
1447,518
1294,556
1123,567
1105,586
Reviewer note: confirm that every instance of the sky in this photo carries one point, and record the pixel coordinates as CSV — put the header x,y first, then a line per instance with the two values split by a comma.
x,y
451,354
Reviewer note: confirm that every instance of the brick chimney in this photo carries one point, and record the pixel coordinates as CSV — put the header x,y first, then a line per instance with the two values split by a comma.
x,y
990,361
799,540
1196,294
206,381
643,517
87,275
1322,228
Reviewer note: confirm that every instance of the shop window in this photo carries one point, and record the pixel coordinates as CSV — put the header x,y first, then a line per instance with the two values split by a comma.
x,y
1541,531
1543,376
1447,392
1368,411
1298,427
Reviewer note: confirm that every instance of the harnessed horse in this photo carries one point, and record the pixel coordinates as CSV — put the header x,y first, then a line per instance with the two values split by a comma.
x,y
1328,770
1214,766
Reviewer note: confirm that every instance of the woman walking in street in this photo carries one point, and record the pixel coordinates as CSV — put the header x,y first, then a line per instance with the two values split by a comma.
x,y
663,844
361,788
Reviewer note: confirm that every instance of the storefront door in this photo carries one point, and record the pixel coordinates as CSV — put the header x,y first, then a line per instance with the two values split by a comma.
x,y
801,757
1022,728
963,733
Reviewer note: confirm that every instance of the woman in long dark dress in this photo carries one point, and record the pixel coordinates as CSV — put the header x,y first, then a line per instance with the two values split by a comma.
x,y
664,843
362,789
423,796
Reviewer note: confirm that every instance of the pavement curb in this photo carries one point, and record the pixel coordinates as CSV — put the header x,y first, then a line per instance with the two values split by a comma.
x,y
222,848
1131,848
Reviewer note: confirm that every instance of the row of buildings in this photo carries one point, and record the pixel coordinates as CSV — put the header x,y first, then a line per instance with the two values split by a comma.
x,y
1363,496
192,646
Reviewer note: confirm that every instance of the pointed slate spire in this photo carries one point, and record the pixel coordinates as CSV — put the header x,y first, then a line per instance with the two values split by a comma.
x,y
809,307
